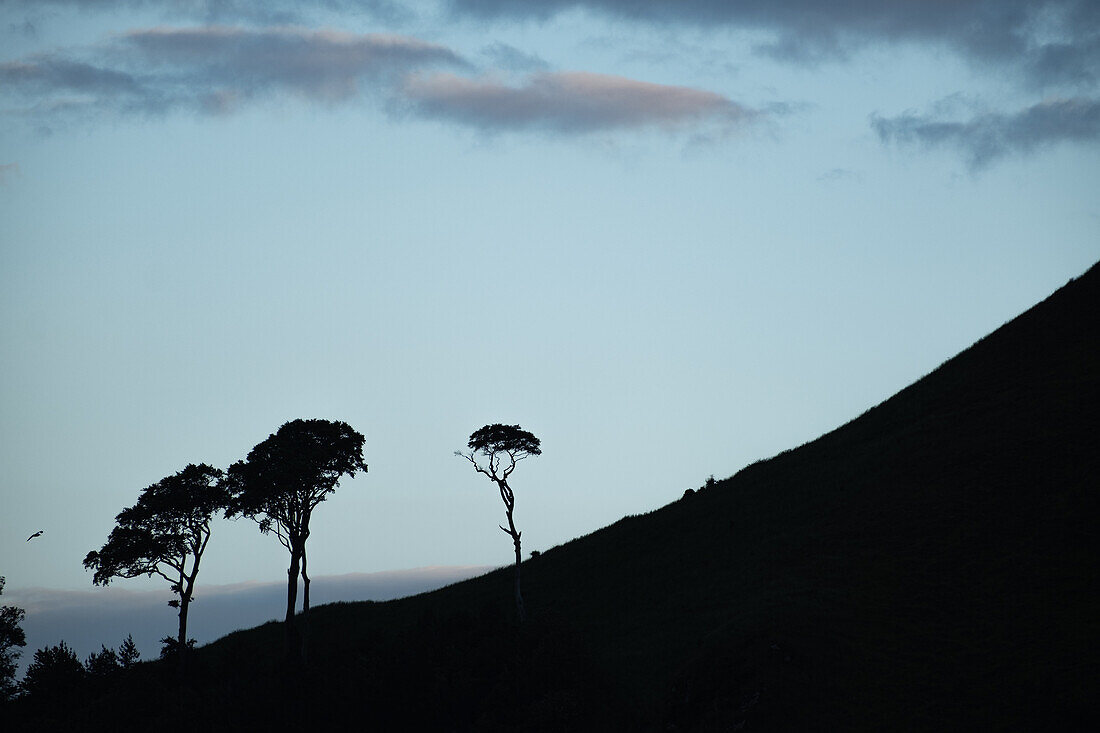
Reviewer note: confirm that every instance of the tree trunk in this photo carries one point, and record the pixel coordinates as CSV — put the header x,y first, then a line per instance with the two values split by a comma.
x,y
305,605
305,587
292,584
293,647
185,602
519,596
181,650
186,592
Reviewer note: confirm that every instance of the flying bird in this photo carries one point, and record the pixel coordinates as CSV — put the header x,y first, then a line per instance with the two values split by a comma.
x,y
36,534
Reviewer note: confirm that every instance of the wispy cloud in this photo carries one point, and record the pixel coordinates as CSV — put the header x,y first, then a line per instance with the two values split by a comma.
x,y
268,12
1052,41
503,56
319,64
53,86
45,73
989,136
216,68
568,102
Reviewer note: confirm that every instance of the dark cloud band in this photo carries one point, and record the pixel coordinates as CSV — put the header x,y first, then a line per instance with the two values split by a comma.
x,y
1051,41
221,11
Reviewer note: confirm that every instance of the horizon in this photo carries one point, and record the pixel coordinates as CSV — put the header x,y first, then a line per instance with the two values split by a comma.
x,y
668,243
86,619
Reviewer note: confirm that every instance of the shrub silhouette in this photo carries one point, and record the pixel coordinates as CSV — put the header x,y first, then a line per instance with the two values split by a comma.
x,y
53,674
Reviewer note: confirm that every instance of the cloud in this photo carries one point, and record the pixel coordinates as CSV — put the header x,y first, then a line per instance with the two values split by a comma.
x,y
215,68
319,64
270,12
511,58
60,86
45,73
568,102
87,619
989,136
7,169
1052,41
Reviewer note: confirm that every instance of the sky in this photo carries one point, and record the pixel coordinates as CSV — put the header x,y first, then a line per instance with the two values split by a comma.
x,y
669,239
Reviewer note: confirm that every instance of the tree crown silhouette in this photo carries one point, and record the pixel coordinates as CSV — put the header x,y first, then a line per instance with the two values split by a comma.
x,y
282,481
165,533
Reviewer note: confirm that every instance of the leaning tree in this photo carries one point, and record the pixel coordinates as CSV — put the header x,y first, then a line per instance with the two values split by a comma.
x,y
165,533
283,480
502,447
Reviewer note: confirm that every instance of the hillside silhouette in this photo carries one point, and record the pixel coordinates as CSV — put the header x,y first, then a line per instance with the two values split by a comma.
x,y
926,565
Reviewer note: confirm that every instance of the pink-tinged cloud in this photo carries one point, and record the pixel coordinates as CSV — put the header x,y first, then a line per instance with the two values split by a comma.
x,y
320,64
569,102
218,69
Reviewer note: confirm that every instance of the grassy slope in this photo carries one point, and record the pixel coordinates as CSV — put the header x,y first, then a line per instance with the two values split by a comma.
x,y
925,565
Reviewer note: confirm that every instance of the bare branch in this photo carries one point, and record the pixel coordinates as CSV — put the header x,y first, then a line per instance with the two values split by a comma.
x,y
477,466
511,464
157,571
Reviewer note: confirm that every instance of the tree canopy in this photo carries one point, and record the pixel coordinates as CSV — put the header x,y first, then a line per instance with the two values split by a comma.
x,y
492,440
286,476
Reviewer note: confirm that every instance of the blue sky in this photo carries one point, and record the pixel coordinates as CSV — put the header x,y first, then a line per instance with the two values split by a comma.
x,y
668,238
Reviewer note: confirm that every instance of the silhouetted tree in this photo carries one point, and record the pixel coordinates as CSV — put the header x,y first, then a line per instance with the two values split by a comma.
x,y
283,480
503,446
165,533
11,636
128,654
54,672
102,663
101,670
